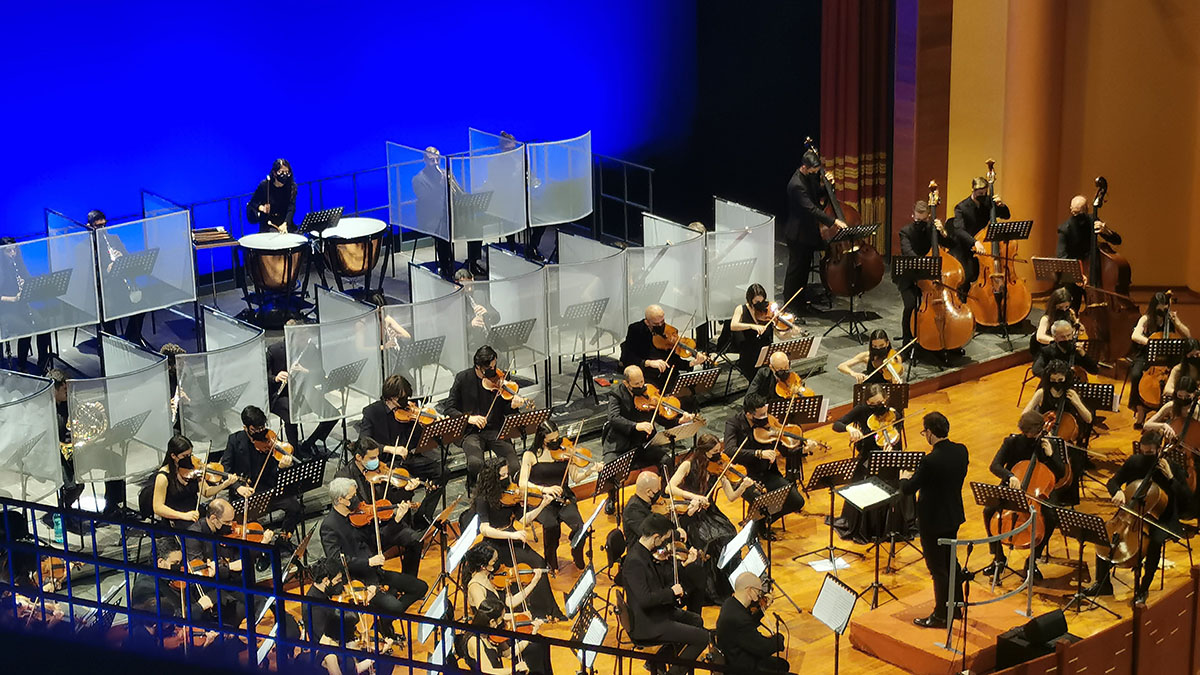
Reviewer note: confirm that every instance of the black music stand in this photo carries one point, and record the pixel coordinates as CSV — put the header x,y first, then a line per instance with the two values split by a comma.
x,y
418,354
1013,230
896,393
579,318
507,338
586,531
613,475
441,433
697,381
854,326
828,476
1001,498
880,494
796,349
319,221
801,410
1165,351
1084,528
900,460
917,267
582,633
259,503
301,477
764,506
134,265
522,424
439,526
646,294
1059,270
340,379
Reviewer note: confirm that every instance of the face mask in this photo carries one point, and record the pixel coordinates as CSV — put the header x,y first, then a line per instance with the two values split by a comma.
x,y
638,391
355,502
185,462
259,435
371,464
762,306
284,178
225,530
402,403
554,444
658,330
489,372
782,374
1182,401
878,409
759,421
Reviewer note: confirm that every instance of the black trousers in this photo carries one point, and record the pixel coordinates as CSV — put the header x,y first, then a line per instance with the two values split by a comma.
x,y
1136,368
937,560
293,511
133,327
799,263
772,481
552,518
1149,565
475,445
25,347
403,591
911,297
682,635
428,467
292,432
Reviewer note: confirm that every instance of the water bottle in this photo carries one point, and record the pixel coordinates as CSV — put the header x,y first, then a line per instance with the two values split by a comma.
x,y
58,528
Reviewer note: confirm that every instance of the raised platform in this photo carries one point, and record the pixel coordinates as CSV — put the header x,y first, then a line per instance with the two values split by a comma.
x,y
888,633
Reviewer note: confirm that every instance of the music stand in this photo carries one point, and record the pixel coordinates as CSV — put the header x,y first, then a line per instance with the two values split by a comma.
x,y
507,338
796,349
441,432
613,477
437,610
301,477
472,204
1165,351
140,264
830,475
1002,498
580,595
1097,396
854,326
259,503
439,526
522,424
916,266
833,607
766,505
418,354
1013,230
900,460
896,393
1084,528
1059,270
696,380
590,630
579,318
646,294
803,410
586,530
319,221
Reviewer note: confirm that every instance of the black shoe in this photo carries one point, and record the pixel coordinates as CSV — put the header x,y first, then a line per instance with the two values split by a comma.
x,y
610,507
1137,425
1037,573
931,621
1140,597
1099,588
996,566
769,535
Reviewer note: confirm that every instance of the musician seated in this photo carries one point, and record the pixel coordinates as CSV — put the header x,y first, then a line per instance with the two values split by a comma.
x,y
481,314
484,656
279,390
1058,308
638,349
646,501
760,457
1057,379
229,565
1153,321
481,565
273,204
398,531
1171,480
1179,415
916,239
1064,343
485,410
177,490
379,423
1017,448
327,626
1190,365
774,376
248,454
746,650
340,537
753,327
877,367
541,470
147,589
651,597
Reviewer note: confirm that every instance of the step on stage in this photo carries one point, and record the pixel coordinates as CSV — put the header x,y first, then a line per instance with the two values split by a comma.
x,y
888,633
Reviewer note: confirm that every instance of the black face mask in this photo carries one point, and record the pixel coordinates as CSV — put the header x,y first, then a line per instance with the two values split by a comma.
x,y
554,444
355,502
878,353
489,372
759,421
283,178
878,409
185,462
638,391
225,530
658,330
782,374
762,306
258,435
1182,402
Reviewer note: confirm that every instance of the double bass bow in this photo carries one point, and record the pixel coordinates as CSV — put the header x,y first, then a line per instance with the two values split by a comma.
x,y
999,296
849,267
942,321
1108,314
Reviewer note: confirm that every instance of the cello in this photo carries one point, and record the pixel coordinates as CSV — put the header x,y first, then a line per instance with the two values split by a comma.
x,y
998,288
942,321
1037,481
1108,314
1150,387
850,267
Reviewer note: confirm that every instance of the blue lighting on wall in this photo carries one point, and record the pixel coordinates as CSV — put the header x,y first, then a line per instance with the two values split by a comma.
x,y
194,100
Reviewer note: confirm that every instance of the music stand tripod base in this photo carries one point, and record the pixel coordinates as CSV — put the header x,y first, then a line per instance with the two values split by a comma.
x,y
830,475
1084,528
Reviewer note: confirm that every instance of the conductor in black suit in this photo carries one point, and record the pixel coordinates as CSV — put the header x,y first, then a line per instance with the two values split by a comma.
x,y
939,480
13,277
806,213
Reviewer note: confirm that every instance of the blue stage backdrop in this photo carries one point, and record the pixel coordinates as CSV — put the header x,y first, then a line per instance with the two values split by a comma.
x,y
194,100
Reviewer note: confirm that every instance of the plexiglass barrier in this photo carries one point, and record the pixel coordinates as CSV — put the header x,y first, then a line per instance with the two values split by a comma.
x,y
47,284
514,318
560,180
58,224
740,252
417,191
333,366
154,205
426,342
487,197
667,271
146,265
29,466
586,309
425,285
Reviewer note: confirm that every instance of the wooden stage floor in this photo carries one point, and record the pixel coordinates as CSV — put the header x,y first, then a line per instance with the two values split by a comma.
x,y
981,412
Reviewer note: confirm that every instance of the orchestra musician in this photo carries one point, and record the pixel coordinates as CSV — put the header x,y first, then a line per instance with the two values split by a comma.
x,y
1058,308
652,593
874,361
916,239
380,424
244,456
485,656
399,531
638,349
326,626
273,204
1016,448
177,489
802,229
481,314
110,248
485,412
746,650
1189,365
481,564
541,470
644,503
760,460
227,561
1152,321
972,215
1056,392
433,209
151,593
340,537
753,327
279,391
1179,406
1060,349
939,481
13,276
777,369
1170,478
1075,239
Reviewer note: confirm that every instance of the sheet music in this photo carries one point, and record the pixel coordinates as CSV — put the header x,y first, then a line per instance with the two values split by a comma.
x,y
754,563
581,591
460,547
834,604
597,630
436,611
864,495
444,648
741,539
824,414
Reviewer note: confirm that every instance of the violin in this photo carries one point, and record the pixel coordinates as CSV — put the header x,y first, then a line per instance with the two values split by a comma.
x,y
213,473
506,388
368,513
521,623
505,575
942,321
793,385
998,285
1109,314
663,506
398,477
195,566
668,406
678,549
722,465
1155,377
789,436
777,318
514,495
354,592
570,452
849,267
892,366
414,413
250,531
669,339
273,445
887,436
1037,481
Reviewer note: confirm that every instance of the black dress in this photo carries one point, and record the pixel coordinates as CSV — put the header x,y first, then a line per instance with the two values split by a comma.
x,y
540,598
536,655
709,530
899,517
749,344
1077,459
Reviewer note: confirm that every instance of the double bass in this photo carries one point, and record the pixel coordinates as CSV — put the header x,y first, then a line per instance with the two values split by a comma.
x,y
851,267
942,321
1150,387
1108,313
999,289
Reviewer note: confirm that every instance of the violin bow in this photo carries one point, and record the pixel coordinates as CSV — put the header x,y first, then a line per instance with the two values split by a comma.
x,y
658,403
787,413
779,310
203,475
893,423
375,519
887,361
712,489
408,445
567,472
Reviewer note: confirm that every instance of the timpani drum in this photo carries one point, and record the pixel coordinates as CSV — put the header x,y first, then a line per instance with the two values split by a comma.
x,y
274,259
352,246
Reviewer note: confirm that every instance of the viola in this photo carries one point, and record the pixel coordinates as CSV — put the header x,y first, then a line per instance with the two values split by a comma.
x,y
887,435
998,285
251,531
669,339
778,319
892,366
668,406
1109,314
368,513
273,445
793,385
354,592
850,267
942,321
663,506
521,622
413,413
1155,377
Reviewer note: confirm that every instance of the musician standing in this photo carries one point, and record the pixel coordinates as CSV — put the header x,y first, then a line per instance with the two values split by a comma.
x,y
972,215
485,412
13,277
916,239
273,204
110,248
1075,237
806,215
746,650
939,480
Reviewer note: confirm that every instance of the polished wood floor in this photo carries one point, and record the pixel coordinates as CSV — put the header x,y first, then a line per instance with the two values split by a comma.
x,y
981,412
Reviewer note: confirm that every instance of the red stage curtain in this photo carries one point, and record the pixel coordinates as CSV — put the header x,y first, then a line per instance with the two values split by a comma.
x,y
856,105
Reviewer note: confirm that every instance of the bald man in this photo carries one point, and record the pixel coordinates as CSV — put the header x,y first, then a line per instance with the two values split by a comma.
x,y
638,349
746,650
692,575
1075,239
777,369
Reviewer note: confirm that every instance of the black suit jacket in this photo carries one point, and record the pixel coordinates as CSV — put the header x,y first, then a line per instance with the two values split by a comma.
x,y
916,239
648,595
468,397
379,424
638,347
622,417
1075,237
737,429
277,363
739,639
338,536
939,479
632,516
1051,352
763,384
973,217
806,210
243,459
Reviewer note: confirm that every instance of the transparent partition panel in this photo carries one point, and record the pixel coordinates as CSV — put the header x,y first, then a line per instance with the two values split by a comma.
x,y
156,205
733,216
657,231
560,180
670,276
503,264
120,423
146,265
47,284
425,285
586,309
334,306
487,195
482,142
216,384
58,224
29,466
736,259
426,342
514,323
333,367
575,249
417,191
